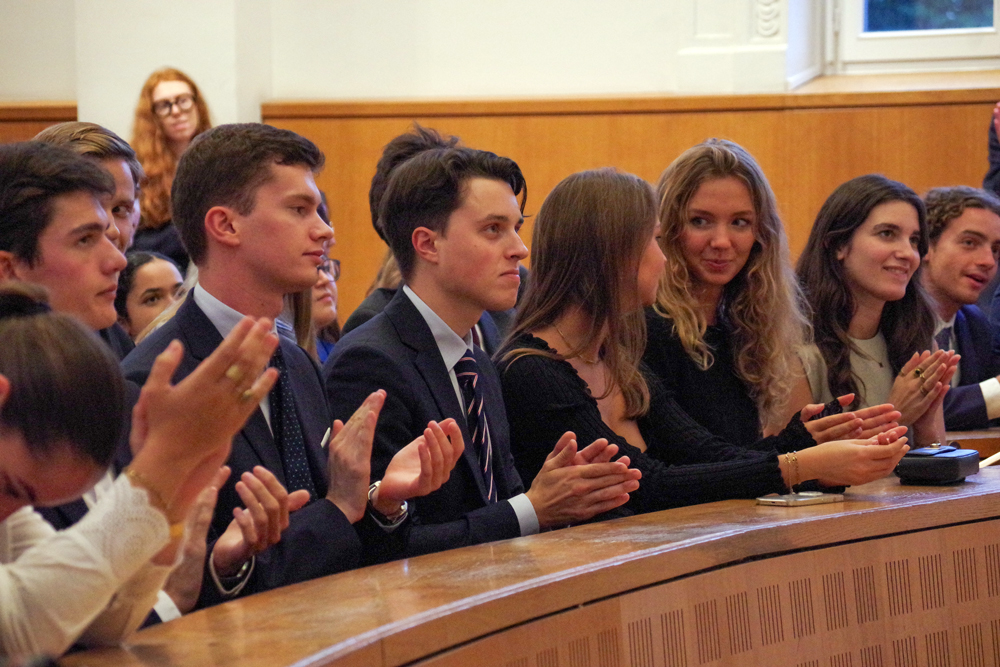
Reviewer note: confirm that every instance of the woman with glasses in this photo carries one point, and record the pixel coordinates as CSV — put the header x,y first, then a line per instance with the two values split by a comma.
x,y
170,113
324,308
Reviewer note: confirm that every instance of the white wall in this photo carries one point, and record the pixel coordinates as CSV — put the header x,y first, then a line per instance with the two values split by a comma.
x,y
119,43
37,45
242,52
483,48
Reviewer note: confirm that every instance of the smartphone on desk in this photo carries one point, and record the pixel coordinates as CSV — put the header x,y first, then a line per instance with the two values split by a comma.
x,y
801,498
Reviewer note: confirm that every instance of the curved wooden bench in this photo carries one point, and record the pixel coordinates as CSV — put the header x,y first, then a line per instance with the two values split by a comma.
x,y
893,576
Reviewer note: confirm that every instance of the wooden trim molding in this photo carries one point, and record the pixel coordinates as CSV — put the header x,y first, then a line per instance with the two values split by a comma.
x,y
37,111
823,93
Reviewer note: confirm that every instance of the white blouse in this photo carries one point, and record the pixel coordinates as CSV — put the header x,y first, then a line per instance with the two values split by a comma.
x,y
92,582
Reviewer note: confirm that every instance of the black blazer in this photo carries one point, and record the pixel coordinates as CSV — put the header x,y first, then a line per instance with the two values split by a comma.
x,y
319,539
964,407
396,351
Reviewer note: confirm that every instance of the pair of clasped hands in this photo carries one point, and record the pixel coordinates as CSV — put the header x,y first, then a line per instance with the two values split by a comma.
x,y
182,434
865,445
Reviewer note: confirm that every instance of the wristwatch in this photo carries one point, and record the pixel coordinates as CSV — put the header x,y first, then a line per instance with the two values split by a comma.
x,y
393,519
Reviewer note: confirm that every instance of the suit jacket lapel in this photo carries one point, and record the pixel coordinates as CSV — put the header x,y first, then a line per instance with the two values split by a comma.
x,y
415,333
201,338
966,347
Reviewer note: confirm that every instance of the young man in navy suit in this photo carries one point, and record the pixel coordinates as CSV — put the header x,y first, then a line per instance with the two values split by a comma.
x,y
964,226
245,202
451,216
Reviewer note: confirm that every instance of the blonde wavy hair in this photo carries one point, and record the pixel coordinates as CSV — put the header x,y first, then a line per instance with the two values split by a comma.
x,y
151,148
762,306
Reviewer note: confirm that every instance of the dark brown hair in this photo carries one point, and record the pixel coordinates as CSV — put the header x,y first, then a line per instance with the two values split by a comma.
x,y
906,324
65,385
32,175
426,189
225,166
601,220
395,153
946,204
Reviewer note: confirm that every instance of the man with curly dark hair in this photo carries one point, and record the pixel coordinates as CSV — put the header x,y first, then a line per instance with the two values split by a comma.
x,y
964,229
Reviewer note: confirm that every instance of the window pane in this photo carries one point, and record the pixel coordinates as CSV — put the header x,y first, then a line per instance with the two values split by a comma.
x,y
886,15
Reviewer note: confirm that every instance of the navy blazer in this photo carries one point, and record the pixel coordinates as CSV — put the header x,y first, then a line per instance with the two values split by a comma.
x,y
376,302
964,407
396,351
319,540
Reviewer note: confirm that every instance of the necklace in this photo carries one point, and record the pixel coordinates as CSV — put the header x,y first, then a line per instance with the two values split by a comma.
x,y
589,362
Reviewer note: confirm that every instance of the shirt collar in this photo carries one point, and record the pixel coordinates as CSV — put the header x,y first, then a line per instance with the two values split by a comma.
x,y
940,325
451,346
219,314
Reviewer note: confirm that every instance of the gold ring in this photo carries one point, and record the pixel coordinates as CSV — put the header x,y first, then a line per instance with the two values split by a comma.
x,y
246,396
234,373
924,390
918,372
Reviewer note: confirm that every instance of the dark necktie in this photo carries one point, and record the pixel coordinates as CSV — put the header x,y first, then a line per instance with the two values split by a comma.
x,y
288,431
467,372
943,339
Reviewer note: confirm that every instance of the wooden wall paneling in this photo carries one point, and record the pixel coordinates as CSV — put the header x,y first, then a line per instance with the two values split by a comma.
x,y
20,121
806,144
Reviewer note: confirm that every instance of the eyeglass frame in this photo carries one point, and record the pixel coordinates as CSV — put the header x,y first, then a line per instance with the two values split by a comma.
x,y
327,265
167,106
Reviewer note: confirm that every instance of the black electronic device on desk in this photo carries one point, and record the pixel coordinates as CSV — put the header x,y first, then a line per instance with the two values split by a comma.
x,y
937,464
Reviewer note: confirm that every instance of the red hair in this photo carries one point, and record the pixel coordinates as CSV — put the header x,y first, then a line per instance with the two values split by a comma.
x,y
151,148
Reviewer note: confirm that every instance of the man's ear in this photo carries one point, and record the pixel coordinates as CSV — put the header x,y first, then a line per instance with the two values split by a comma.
x,y
222,226
8,265
425,244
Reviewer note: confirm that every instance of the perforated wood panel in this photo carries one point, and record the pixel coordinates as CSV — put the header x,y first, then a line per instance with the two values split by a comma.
x,y
930,598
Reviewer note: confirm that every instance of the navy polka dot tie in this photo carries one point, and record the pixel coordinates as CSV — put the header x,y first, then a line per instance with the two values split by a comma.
x,y
467,372
288,431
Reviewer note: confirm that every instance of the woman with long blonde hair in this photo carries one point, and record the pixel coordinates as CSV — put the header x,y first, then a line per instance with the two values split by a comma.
x,y
572,363
728,317
170,113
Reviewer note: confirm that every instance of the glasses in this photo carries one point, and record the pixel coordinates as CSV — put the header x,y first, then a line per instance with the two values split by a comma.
x,y
331,267
164,108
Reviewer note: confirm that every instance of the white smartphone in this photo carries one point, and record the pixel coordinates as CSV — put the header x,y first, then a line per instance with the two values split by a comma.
x,y
801,498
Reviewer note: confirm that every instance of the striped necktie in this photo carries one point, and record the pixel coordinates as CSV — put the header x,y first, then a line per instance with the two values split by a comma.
x,y
467,372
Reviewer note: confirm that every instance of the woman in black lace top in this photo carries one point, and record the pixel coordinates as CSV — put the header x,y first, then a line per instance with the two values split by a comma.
x,y
573,363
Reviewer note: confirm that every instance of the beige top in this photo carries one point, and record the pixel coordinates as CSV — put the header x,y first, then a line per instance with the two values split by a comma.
x,y
871,366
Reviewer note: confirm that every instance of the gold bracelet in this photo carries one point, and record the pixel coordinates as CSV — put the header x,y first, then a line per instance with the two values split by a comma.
x,y
155,499
139,480
792,463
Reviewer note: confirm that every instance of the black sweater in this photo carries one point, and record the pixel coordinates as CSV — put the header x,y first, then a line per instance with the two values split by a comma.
x,y
683,464
715,398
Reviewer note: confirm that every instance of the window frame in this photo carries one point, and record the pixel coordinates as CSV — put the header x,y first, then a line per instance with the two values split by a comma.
x,y
909,50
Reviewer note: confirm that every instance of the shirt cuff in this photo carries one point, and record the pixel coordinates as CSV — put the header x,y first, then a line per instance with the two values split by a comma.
x,y
526,516
165,607
233,585
991,395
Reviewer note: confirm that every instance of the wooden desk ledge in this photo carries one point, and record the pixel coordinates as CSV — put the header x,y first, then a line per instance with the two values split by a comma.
x,y
406,611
